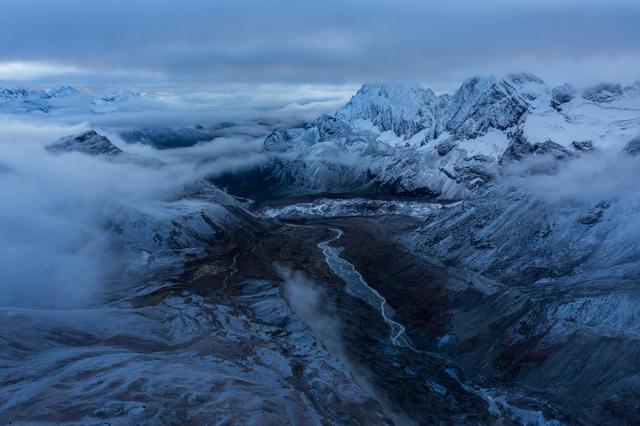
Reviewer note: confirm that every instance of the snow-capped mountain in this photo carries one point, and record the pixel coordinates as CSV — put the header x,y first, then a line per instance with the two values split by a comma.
x,y
28,100
89,142
20,100
561,253
405,139
403,109
7,94
112,102
538,249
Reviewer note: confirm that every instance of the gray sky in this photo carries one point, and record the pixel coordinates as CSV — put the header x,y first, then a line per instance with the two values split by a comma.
x,y
439,43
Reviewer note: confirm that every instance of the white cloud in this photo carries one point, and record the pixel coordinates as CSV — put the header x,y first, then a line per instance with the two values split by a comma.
x,y
331,41
24,71
55,246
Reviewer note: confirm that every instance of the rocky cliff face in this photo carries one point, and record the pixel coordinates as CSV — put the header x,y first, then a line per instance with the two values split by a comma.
x,y
564,264
483,104
557,236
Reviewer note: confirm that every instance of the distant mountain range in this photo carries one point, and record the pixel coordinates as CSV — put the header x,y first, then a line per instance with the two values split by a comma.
x,y
24,100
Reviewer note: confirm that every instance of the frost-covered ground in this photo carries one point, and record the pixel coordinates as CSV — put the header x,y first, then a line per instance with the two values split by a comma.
x,y
331,207
151,340
184,358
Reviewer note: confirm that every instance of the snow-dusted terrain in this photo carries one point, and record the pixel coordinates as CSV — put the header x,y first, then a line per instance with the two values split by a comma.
x,y
545,231
330,207
521,195
149,347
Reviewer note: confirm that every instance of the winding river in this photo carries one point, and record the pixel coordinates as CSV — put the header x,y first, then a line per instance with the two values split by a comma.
x,y
358,287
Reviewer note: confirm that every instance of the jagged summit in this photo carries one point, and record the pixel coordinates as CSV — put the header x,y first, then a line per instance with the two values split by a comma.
x,y
405,139
406,109
603,92
480,104
607,92
59,92
9,93
92,143
21,99
89,142
120,97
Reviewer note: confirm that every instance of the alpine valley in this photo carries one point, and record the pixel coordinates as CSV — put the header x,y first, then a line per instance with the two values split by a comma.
x,y
466,258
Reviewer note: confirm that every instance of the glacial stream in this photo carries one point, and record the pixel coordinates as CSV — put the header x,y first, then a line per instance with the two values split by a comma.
x,y
358,287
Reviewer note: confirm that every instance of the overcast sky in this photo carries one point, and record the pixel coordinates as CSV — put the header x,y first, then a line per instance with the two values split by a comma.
x,y
194,42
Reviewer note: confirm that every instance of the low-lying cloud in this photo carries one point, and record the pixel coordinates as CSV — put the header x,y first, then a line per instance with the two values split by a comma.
x,y
55,249
593,177
313,306
309,302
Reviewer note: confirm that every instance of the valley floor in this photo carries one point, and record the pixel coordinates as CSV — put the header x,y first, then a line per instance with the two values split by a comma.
x,y
266,331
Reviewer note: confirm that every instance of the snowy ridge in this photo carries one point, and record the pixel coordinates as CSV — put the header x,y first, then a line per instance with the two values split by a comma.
x,y
89,142
548,216
404,139
154,348
404,109
7,94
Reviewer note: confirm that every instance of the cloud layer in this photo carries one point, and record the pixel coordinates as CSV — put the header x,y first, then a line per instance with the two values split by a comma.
x,y
56,246
330,41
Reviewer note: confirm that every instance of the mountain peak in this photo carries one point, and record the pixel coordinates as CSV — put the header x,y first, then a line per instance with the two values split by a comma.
x,y
392,91
406,109
59,92
482,103
603,92
88,142
524,78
